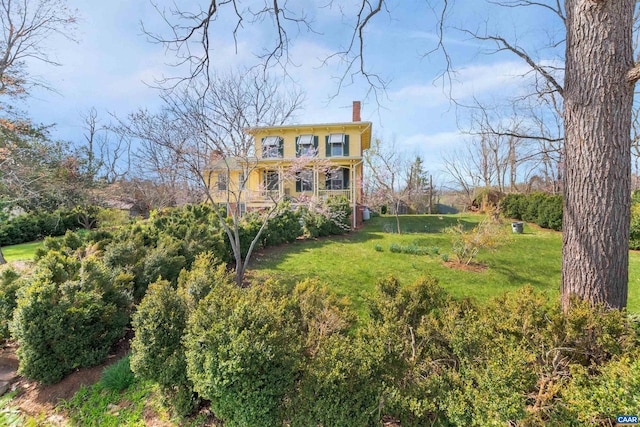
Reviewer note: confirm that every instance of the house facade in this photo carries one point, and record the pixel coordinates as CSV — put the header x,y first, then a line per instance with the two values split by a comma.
x,y
295,162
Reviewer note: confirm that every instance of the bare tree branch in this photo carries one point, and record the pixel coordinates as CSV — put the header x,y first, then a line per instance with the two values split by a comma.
x,y
25,25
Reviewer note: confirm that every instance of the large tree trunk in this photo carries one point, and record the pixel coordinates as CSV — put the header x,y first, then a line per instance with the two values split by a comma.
x,y
598,100
2,260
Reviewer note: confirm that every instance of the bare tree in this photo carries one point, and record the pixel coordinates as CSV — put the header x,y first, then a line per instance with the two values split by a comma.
x,y
204,131
26,24
463,172
389,174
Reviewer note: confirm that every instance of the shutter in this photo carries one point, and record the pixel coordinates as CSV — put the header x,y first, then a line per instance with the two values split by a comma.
x,y
281,148
298,183
315,144
297,146
345,178
327,181
345,150
326,146
262,147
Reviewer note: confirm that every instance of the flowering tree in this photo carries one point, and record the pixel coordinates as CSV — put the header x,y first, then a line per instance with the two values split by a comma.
x,y
204,128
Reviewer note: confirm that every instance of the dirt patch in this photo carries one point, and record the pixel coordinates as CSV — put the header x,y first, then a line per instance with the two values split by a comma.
x,y
34,398
473,267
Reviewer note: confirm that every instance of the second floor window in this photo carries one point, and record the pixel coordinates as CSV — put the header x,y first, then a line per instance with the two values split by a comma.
x,y
306,145
241,181
272,147
337,145
222,182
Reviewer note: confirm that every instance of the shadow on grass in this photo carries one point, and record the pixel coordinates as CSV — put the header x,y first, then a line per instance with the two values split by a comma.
x,y
370,232
429,224
516,277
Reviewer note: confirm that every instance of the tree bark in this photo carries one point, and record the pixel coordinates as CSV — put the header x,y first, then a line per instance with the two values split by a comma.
x,y
598,101
2,260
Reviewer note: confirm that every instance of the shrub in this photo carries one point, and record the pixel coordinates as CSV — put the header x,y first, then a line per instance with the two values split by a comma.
x,y
378,247
532,210
511,204
243,353
67,317
341,385
108,218
340,382
550,213
595,398
395,248
157,353
9,284
321,314
206,273
539,208
634,230
37,225
282,228
328,218
405,322
162,262
466,245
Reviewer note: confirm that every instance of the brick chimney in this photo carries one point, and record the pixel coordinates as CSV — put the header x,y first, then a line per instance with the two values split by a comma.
x,y
356,111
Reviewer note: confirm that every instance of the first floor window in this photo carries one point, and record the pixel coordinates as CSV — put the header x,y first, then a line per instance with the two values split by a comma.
x,y
338,179
304,181
271,180
335,180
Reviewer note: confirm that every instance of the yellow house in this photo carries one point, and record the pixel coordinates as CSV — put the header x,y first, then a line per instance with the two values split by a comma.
x,y
297,162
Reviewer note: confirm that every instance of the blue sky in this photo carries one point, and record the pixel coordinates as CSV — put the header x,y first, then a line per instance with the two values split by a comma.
x,y
112,64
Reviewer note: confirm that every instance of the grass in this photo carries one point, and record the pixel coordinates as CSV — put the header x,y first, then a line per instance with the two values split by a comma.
x,y
98,406
22,252
351,264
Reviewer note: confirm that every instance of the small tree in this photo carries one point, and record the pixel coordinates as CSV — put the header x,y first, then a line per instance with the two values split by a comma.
x,y
208,123
389,178
466,244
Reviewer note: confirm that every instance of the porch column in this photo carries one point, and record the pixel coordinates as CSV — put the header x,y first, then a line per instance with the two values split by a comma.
x,y
352,184
280,182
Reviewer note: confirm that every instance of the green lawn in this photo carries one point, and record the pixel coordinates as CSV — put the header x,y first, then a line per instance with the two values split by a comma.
x,y
350,264
22,252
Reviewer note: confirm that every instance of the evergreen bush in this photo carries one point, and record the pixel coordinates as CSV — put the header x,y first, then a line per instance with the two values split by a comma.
x,y
68,316
244,353
157,352
10,282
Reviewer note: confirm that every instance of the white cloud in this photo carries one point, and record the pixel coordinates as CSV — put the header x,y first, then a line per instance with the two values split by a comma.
x,y
467,82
